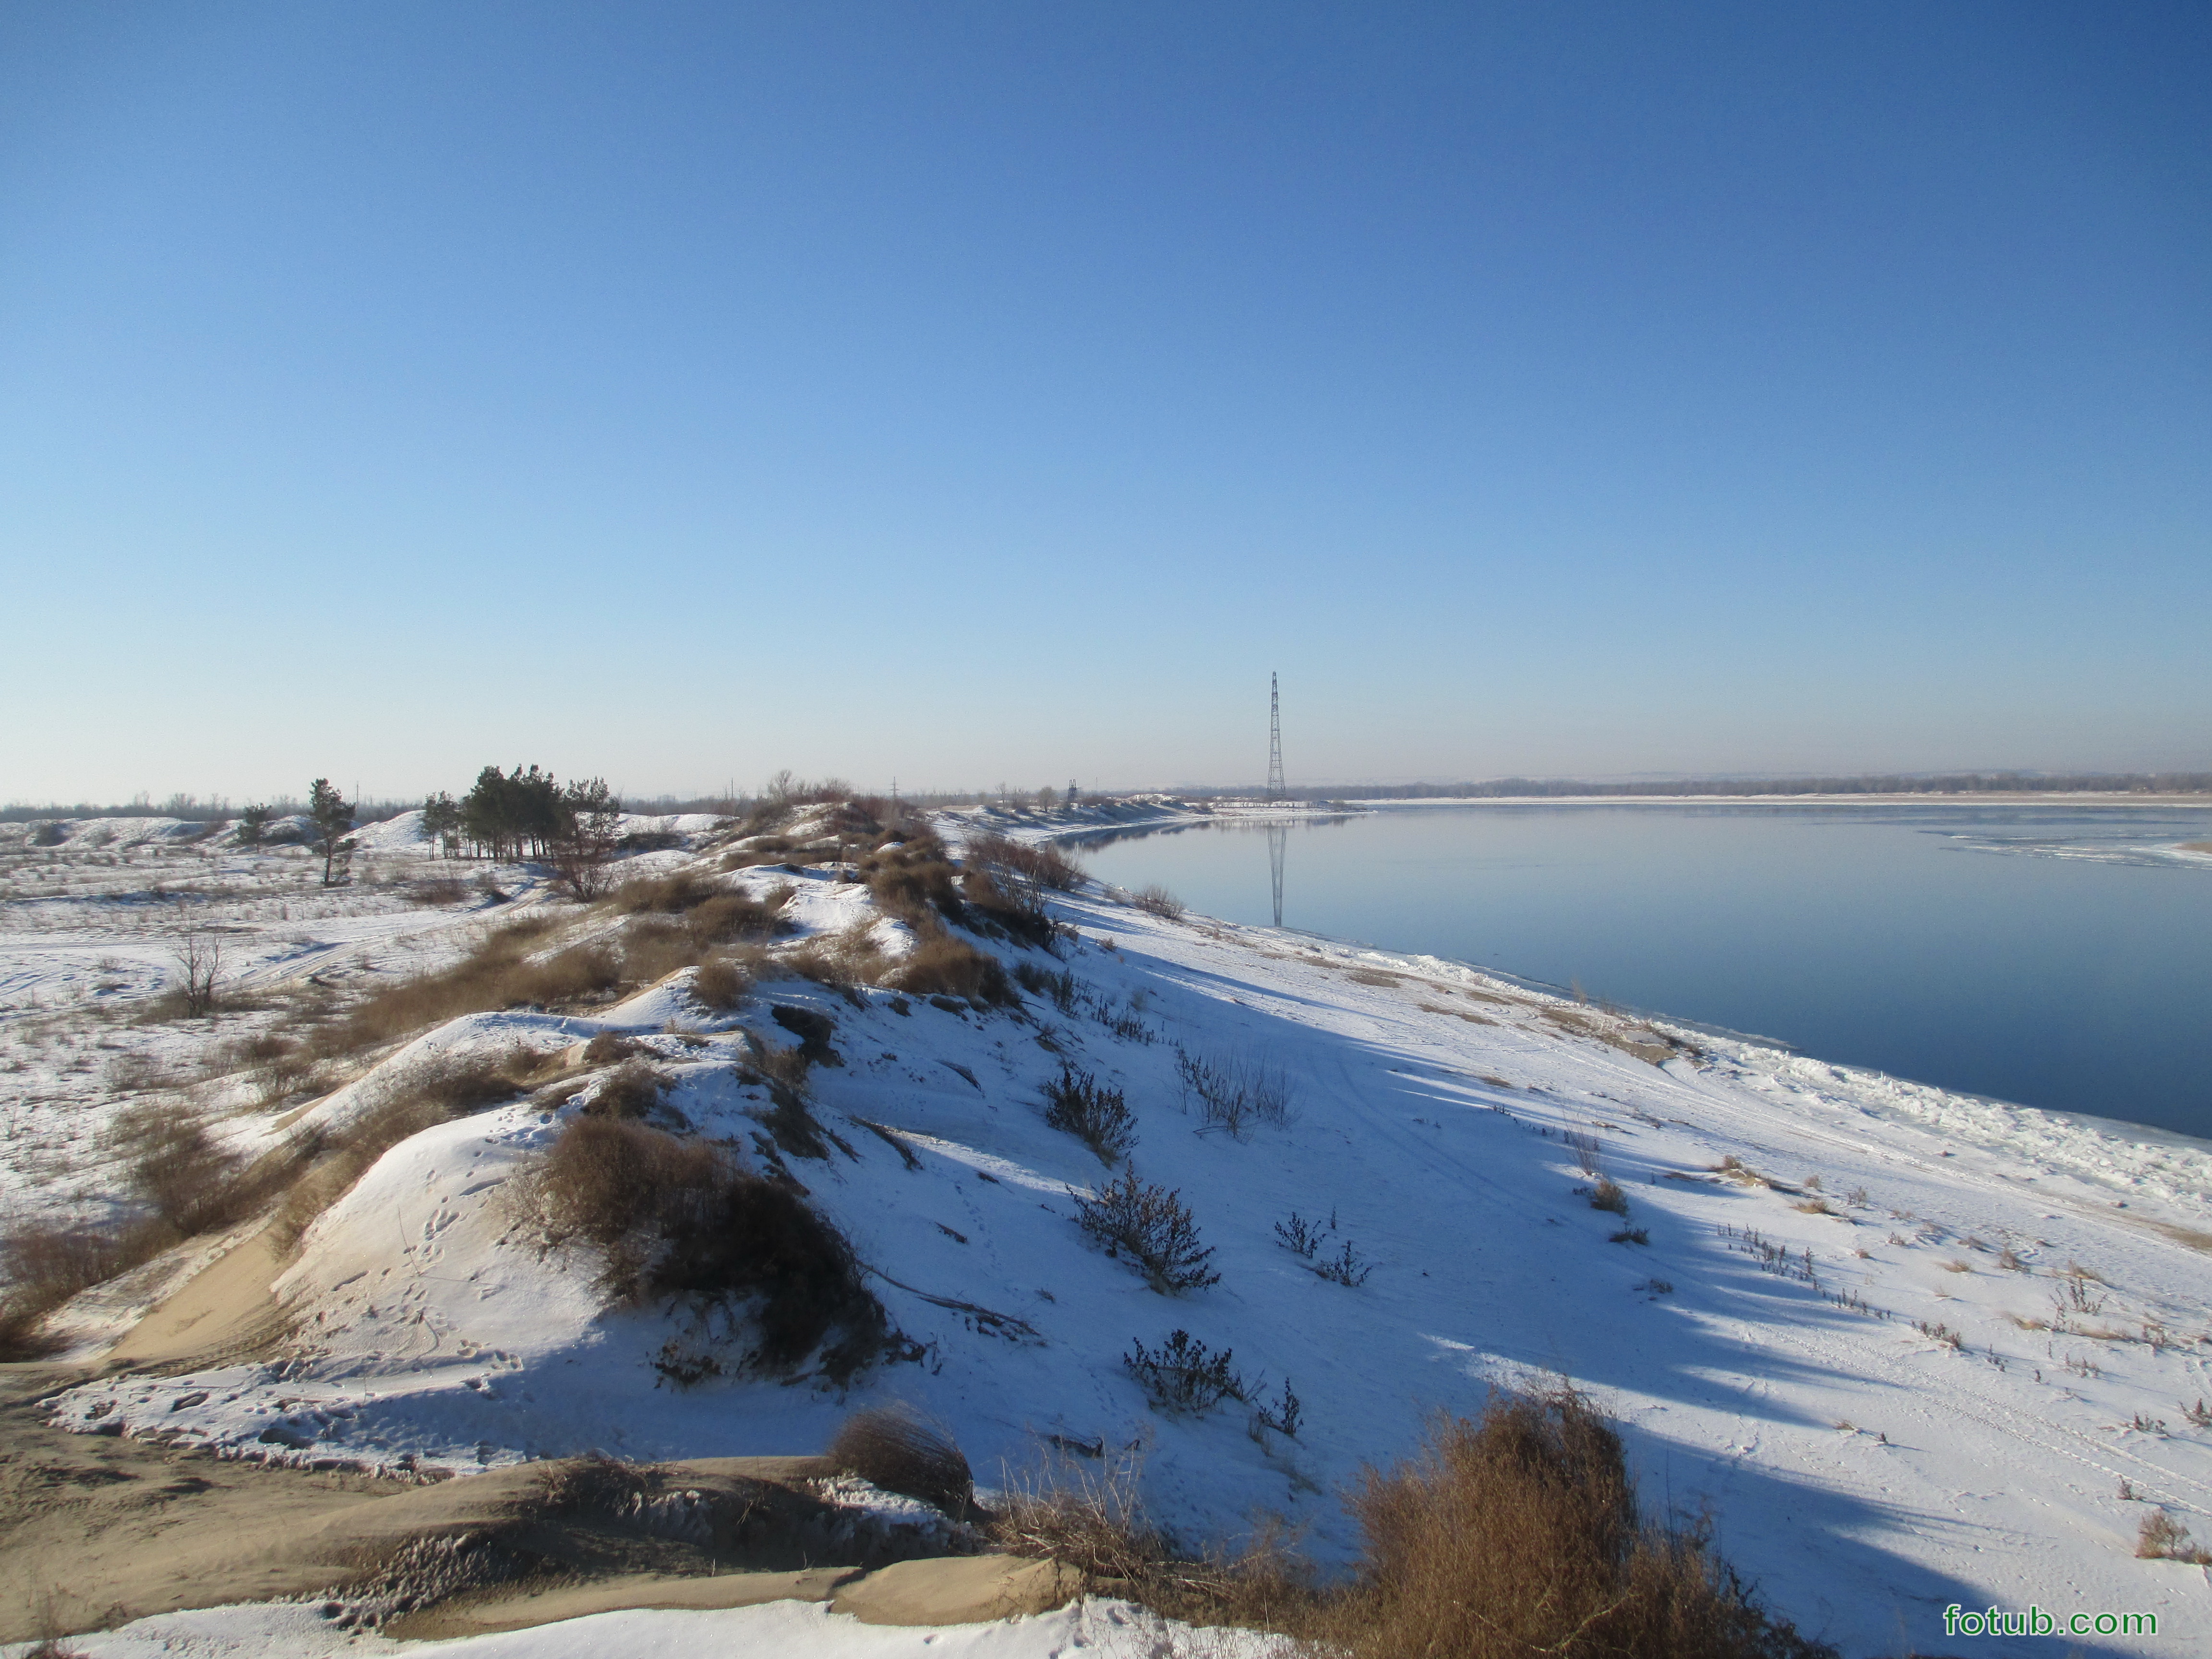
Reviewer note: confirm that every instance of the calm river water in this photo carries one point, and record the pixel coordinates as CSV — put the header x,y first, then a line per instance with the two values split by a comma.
x,y
2053,956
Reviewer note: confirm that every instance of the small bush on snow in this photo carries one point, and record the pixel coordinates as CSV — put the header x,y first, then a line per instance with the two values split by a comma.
x,y
1097,1116
895,1448
1153,1226
1183,1374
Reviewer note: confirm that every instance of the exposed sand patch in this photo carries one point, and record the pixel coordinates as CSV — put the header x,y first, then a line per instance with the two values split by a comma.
x,y
100,1529
225,1309
959,1590
638,1589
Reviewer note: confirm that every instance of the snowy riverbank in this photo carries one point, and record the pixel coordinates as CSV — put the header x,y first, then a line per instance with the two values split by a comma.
x,y
1906,1348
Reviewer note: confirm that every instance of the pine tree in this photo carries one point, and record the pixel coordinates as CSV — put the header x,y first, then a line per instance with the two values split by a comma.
x,y
333,817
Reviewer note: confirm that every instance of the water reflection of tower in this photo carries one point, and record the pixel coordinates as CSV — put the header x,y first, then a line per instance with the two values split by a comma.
x,y
1279,842
1278,835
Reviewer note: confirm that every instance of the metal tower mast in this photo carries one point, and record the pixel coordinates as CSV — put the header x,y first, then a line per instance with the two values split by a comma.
x,y
1274,740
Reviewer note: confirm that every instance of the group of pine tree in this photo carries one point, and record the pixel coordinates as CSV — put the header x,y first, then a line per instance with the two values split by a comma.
x,y
507,815
520,815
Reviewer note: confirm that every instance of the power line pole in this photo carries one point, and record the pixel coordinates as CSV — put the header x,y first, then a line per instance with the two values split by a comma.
x,y
1274,740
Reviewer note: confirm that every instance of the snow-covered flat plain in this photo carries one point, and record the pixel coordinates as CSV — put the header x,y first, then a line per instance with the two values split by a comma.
x,y
1902,1349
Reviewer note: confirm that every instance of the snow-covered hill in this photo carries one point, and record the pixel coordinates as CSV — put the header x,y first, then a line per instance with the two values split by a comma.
x,y
1905,1350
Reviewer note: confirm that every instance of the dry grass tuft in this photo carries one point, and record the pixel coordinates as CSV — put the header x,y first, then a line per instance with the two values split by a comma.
x,y
722,983
1519,1533
897,1449
1093,1522
1608,1195
942,965
499,973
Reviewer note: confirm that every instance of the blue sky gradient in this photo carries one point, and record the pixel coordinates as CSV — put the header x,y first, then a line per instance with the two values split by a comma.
x,y
998,393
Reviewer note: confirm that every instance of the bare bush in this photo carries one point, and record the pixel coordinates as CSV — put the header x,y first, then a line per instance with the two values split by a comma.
x,y
609,1047
1153,1227
2161,1538
841,960
435,892
1347,1268
1300,1237
1156,900
1608,1195
789,1067
1235,1094
44,1264
1519,1533
1044,868
897,1449
1588,1149
1093,1522
177,1167
188,1184
1063,988
199,959
1182,1375
1097,1116
996,899
914,880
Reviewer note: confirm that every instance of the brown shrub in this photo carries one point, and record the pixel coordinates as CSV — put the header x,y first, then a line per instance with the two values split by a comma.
x,y
1012,862
633,1090
942,965
729,917
438,891
721,984
2161,1538
914,882
655,948
190,1184
788,1067
668,895
841,960
1519,1533
895,1448
44,1264
997,899
675,1218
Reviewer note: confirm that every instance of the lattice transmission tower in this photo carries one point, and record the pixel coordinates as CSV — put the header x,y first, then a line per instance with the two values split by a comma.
x,y
1274,740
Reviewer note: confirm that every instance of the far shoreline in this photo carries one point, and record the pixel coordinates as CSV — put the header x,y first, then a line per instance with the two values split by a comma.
x,y
1983,798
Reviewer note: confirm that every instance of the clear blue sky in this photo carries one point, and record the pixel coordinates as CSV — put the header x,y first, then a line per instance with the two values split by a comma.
x,y
998,393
